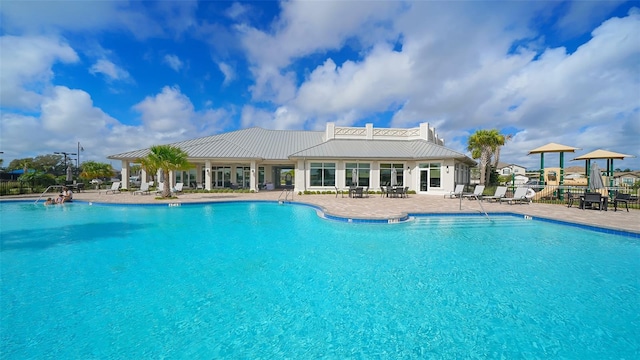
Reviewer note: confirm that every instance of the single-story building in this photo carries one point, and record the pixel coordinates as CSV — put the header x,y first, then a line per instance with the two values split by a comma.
x,y
339,157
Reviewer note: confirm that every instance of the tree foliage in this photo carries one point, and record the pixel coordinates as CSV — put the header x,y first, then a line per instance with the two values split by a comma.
x,y
94,170
485,145
166,158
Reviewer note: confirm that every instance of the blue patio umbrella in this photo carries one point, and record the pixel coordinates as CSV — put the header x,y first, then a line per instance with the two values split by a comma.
x,y
595,178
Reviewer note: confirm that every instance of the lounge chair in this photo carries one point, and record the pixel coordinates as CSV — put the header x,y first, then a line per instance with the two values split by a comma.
x,y
159,188
144,189
520,195
178,187
477,193
456,192
501,191
115,188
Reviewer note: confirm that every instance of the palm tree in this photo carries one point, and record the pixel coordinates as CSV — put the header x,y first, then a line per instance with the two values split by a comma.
x,y
483,145
496,153
166,158
93,170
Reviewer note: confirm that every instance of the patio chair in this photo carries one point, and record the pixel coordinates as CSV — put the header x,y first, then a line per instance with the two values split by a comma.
x,y
501,191
623,199
570,199
477,193
115,188
178,187
159,188
591,198
144,189
520,195
456,192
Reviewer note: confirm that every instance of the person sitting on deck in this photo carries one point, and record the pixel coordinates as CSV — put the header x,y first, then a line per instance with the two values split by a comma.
x,y
67,195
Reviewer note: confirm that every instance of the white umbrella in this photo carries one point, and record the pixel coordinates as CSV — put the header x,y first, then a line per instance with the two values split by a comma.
x,y
595,178
69,174
394,177
354,177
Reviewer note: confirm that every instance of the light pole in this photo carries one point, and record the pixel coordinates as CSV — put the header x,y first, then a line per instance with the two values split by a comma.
x,y
66,155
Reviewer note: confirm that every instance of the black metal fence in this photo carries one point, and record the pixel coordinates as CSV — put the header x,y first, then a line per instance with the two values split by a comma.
x,y
14,187
553,194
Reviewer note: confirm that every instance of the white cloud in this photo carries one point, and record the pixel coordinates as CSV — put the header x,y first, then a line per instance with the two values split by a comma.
x,y
57,16
305,28
252,116
168,112
110,70
27,68
228,72
173,61
237,10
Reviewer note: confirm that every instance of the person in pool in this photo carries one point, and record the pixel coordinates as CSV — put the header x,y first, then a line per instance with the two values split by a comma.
x,y
49,201
60,199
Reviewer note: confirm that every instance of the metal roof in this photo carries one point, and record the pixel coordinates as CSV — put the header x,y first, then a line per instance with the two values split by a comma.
x,y
252,143
380,149
262,144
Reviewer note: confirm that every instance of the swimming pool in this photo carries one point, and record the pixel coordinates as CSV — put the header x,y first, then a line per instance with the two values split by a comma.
x,y
261,280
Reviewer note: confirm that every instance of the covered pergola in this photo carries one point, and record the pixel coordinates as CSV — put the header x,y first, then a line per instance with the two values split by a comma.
x,y
601,154
552,148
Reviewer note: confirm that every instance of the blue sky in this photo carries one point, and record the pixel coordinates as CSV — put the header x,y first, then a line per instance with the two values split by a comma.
x,y
122,75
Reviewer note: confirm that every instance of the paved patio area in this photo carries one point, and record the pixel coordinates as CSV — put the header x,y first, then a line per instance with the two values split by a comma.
x,y
377,207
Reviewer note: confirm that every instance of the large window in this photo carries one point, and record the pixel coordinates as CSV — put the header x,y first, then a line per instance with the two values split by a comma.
x,y
188,178
243,176
322,174
386,171
435,174
360,172
435,178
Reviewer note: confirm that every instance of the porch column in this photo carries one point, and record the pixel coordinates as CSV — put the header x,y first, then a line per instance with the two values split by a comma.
x,y
207,175
253,180
125,174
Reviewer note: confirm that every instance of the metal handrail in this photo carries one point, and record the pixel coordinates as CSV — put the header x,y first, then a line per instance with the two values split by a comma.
x,y
286,192
50,186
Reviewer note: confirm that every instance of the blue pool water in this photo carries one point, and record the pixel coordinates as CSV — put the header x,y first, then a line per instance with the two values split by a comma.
x,y
264,281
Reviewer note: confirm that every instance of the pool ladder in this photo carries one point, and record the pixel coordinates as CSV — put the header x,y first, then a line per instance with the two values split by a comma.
x,y
285,192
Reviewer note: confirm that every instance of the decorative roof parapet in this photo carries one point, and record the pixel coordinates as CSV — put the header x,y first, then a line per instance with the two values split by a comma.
x,y
423,132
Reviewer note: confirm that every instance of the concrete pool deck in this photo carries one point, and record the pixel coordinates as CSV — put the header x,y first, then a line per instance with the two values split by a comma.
x,y
377,207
